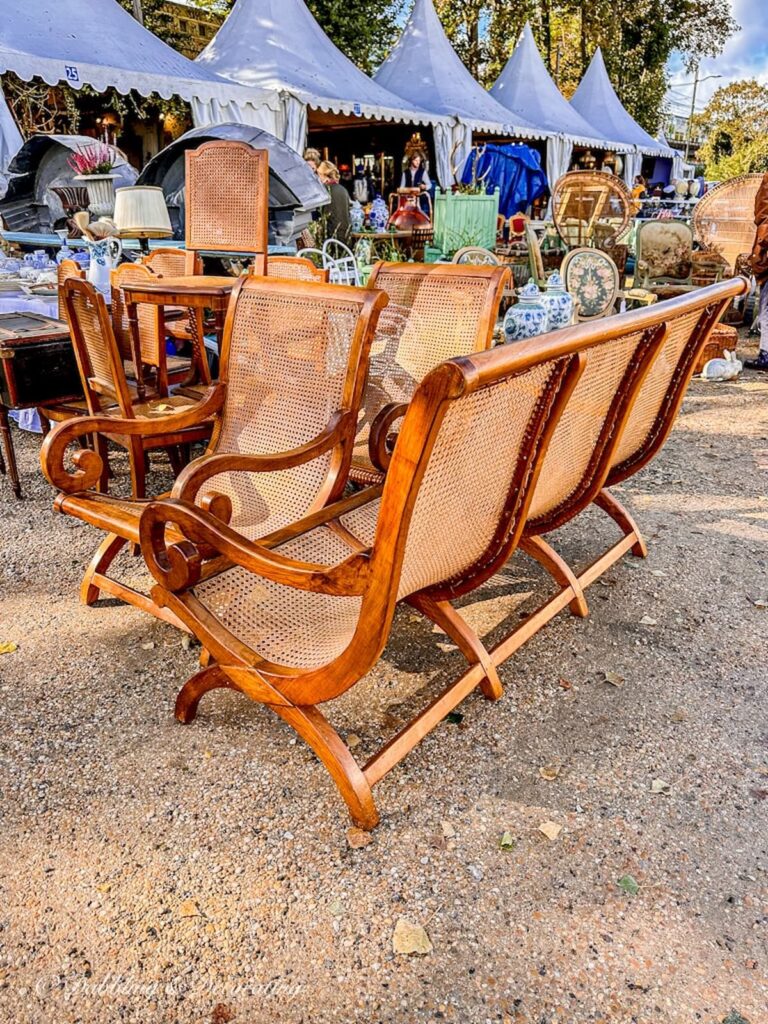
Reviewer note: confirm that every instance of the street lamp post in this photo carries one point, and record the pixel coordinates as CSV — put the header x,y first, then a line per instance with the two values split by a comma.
x,y
696,81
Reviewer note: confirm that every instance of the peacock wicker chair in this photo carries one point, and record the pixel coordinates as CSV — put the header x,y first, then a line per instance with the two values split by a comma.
x,y
591,208
724,219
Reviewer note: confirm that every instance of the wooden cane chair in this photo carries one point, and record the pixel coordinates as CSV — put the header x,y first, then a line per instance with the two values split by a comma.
x,y
108,394
619,416
293,365
436,311
295,620
592,278
724,218
296,268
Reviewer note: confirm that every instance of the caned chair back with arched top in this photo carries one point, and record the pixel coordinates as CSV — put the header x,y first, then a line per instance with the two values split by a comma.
x,y
435,311
227,198
172,263
592,278
724,218
293,358
590,208
96,350
296,268
664,251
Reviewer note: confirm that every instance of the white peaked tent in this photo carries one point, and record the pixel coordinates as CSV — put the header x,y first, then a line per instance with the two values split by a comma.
x,y
596,100
424,68
278,45
526,89
98,43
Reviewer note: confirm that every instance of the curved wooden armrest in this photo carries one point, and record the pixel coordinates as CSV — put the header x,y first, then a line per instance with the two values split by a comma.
x,y
177,566
193,476
379,453
88,463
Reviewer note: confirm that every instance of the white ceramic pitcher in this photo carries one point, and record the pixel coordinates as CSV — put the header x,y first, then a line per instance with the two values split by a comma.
x,y
104,255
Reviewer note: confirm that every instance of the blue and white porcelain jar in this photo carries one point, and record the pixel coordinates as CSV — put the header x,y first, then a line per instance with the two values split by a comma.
x,y
558,302
356,216
379,215
528,317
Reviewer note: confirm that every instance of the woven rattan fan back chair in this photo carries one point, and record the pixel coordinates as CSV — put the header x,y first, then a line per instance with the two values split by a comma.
x,y
296,268
724,218
590,208
301,617
293,365
435,312
108,394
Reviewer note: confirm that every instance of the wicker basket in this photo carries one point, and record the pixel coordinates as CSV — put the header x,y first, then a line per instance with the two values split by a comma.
x,y
723,337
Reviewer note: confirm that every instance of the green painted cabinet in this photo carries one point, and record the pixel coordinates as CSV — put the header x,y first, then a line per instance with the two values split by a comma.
x,y
463,218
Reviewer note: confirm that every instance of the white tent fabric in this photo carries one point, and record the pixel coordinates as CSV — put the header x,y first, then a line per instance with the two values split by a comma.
x,y
526,89
423,67
278,45
11,142
559,151
102,45
596,100
633,163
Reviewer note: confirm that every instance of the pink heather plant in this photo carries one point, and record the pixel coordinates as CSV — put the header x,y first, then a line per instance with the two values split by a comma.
x,y
96,159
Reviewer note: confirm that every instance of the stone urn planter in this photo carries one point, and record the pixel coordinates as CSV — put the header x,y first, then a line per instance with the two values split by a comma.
x,y
101,193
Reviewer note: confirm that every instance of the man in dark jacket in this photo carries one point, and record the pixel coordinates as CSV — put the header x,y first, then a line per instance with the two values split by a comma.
x,y
760,270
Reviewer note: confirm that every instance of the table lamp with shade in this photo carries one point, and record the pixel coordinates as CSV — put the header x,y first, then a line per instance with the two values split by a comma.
x,y
140,212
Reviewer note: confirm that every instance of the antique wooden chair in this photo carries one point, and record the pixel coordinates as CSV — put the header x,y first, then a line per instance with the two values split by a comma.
x,y
590,208
436,311
664,257
619,416
293,367
299,617
592,278
108,394
296,268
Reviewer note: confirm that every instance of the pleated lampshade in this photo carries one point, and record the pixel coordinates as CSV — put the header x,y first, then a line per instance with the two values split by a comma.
x,y
140,212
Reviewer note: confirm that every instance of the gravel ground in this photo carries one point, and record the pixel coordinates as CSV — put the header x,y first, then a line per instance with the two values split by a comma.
x,y
151,872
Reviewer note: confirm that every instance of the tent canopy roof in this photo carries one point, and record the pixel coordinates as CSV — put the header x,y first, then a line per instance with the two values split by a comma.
x,y
423,67
596,100
97,42
526,89
278,45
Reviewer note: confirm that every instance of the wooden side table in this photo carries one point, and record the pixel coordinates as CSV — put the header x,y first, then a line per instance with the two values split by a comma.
x,y
196,291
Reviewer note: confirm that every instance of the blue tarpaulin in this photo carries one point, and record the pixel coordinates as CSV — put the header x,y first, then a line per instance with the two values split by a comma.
x,y
514,169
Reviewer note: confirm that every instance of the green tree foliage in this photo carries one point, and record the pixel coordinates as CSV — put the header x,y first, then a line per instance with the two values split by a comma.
x,y
156,19
636,37
735,122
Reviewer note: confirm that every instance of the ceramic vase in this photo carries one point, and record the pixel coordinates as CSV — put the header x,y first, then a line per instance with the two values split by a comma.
x,y
356,216
104,258
558,302
101,193
379,215
528,317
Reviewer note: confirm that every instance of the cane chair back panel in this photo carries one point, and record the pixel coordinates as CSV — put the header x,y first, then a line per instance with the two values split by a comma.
x,y
680,330
592,278
664,251
590,208
68,268
287,371
575,439
148,316
296,268
96,350
170,262
227,198
434,313
724,219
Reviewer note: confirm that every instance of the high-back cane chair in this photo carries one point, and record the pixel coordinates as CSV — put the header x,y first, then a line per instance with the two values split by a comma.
x,y
108,394
435,311
293,365
296,619
724,218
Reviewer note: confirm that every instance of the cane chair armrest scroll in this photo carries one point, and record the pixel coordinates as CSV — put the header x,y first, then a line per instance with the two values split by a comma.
x,y
88,465
177,565
379,451
194,476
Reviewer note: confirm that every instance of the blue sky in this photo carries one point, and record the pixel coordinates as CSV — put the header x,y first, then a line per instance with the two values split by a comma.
x,y
745,56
